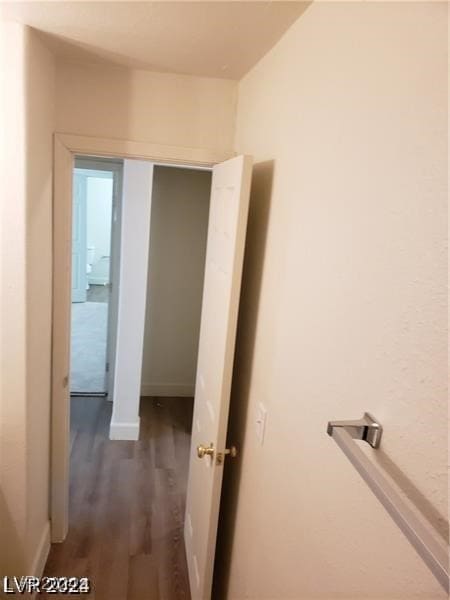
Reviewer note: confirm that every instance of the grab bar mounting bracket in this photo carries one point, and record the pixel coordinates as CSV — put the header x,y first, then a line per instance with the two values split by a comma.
x,y
366,429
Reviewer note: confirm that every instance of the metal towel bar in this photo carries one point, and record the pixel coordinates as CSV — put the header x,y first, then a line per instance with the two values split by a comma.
x,y
427,542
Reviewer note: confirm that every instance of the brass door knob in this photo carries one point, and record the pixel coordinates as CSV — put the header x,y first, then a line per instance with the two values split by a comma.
x,y
205,451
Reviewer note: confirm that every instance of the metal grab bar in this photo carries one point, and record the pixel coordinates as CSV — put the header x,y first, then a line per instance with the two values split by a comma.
x,y
428,544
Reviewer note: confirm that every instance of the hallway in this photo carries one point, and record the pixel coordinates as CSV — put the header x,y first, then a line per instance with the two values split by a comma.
x,y
321,296
127,503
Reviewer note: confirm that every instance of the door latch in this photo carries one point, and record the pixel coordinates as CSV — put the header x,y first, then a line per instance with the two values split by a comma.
x,y
231,452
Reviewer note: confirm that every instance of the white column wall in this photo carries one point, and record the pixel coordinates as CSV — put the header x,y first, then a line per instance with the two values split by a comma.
x,y
136,204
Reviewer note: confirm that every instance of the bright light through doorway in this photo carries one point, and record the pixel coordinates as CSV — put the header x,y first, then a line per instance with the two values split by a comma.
x,y
91,251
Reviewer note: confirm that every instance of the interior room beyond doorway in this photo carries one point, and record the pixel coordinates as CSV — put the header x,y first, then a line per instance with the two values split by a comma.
x,y
93,198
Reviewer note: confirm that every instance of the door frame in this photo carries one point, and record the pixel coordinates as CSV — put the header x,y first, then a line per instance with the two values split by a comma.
x,y
66,147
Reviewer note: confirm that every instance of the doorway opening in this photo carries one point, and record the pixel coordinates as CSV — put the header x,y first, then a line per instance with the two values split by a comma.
x,y
136,451
95,257
138,488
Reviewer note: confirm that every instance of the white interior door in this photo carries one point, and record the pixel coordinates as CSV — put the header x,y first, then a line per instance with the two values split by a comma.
x,y
223,269
79,250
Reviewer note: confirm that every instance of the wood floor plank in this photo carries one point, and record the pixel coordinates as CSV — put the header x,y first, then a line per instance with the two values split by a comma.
x,y
162,435
169,548
143,578
113,557
142,505
127,503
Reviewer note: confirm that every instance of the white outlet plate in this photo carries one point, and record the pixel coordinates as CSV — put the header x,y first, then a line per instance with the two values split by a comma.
x,y
261,415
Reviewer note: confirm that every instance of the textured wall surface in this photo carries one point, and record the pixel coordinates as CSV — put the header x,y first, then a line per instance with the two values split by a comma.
x,y
13,300
159,108
343,305
178,230
26,301
40,120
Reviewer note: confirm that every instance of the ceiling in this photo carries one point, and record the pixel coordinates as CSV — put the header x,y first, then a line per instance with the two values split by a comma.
x,y
211,39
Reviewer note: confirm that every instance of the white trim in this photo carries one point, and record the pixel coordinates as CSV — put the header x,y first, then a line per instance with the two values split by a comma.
x,y
61,301
66,146
98,280
124,431
178,155
41,554
168,389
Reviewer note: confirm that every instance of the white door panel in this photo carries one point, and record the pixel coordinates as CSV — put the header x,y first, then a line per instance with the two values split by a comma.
x,y
223,270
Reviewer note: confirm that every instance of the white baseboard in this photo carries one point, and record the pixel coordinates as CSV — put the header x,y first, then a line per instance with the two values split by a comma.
x,y
168,389
124,431
98,280
41,554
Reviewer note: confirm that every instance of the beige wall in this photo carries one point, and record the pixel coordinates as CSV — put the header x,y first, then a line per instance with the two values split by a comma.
x,y
12,299
178,230
161,108
26,306
343,304
89,100
40,117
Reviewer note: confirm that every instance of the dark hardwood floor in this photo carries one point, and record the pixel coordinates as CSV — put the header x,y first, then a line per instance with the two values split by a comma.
x,y
127,502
